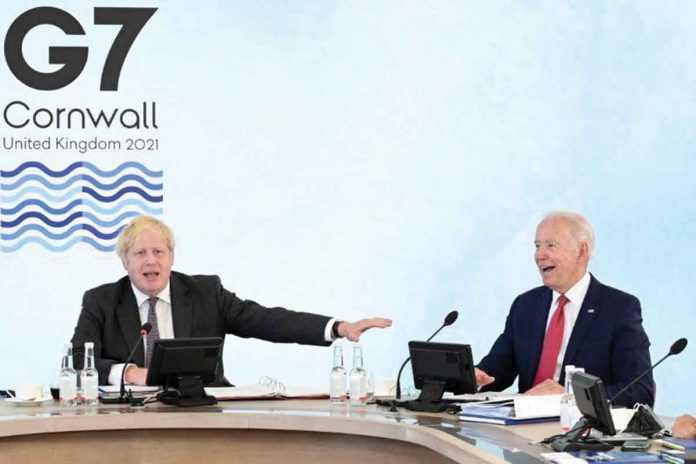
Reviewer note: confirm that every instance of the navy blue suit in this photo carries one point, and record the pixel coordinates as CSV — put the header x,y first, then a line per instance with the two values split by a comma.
x,y
608,340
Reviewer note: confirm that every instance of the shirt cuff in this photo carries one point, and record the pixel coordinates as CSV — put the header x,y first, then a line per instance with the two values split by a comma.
x,y
115,373
327,331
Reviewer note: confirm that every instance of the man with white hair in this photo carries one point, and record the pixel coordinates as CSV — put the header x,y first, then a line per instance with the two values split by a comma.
x,y
573,319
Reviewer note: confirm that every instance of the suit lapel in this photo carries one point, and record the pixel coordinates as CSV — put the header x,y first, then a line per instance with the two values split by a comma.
x,y
538,319
129,320
182,308
588,314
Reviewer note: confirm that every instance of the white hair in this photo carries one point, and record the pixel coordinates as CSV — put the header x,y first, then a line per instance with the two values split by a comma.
x,y
580,227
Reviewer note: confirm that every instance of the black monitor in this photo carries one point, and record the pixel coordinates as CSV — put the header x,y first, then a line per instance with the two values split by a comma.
x,y
182,366
591,398
439,368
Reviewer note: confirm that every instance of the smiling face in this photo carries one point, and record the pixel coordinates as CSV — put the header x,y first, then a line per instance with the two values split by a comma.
x,y
560,257
148,262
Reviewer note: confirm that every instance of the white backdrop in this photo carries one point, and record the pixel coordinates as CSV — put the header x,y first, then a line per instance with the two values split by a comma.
x,y
388,158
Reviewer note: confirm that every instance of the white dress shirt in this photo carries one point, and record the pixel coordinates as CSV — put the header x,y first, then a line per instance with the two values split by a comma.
x,y
165,324
576,295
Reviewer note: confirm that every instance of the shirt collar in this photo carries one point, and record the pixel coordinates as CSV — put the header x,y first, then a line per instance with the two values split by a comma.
x,y
140,297
576,293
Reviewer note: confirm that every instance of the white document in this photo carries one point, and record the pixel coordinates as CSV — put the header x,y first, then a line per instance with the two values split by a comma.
x,y
483,396
531,406
133,388
562,458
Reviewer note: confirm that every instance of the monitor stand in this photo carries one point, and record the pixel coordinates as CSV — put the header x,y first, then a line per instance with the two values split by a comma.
x,y
189,392
575,440
430,399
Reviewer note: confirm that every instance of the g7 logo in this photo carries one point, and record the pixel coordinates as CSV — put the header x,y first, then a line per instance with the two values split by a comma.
x,y
73,59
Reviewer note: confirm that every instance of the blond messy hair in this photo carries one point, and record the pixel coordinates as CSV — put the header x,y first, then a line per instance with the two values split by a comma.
x,y
132,231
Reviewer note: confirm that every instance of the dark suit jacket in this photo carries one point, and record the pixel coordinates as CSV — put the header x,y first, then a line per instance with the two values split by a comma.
x,y
608,340
201,307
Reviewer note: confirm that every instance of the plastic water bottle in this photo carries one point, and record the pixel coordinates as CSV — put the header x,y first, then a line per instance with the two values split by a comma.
x,y
358,379
337,385
89,378
574,411
568,401
68,378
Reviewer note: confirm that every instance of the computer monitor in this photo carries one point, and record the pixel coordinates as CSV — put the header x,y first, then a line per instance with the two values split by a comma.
x,y
182,366
591,398
439,368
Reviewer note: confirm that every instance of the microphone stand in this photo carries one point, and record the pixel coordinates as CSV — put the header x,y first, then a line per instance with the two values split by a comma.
x,y
123,398
398,377
676,348
449,320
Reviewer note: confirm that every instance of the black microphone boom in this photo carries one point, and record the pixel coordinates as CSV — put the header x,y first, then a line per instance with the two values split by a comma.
x,y
449,320
144,330
676,348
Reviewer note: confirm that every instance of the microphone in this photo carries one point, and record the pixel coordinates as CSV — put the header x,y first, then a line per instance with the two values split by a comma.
x,y
676,348
449,320
144,330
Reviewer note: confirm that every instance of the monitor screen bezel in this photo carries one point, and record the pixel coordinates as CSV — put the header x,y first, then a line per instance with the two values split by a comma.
x,y
174,351
465,382
591,400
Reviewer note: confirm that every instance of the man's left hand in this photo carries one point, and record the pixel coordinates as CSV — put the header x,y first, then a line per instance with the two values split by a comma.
x,y
353,330
547,387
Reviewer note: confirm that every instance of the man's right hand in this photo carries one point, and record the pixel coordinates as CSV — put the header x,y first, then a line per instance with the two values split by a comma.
x,y
483,379
136,375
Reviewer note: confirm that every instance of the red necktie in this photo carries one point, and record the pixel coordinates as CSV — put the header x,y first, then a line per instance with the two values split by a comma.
x,y
552,344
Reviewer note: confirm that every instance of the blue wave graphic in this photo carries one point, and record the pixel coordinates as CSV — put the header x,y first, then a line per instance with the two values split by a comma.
x,y
44,206
62,235
80,214
56,248
142,206
120,193
84,164
76,203
80,177
61,210
24,193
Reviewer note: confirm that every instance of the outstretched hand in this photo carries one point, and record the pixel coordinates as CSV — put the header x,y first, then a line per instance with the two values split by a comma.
x,y
353,330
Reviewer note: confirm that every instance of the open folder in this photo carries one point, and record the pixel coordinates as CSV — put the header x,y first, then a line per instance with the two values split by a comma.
x,y
519,410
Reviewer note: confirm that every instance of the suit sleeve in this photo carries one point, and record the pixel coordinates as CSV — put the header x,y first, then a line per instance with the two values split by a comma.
x,y
90,328
500,361
630,358
246,318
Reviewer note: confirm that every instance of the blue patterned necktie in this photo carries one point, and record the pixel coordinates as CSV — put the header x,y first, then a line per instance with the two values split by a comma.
x,y
153,335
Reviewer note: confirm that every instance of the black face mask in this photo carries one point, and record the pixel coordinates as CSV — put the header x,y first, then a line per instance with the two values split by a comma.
x,y
645,422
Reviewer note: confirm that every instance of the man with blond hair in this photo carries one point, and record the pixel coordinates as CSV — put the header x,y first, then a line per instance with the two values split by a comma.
x,y
179,305
573,319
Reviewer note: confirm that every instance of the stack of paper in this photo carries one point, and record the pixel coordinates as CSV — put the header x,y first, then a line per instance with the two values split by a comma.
x,y
114,391
521,409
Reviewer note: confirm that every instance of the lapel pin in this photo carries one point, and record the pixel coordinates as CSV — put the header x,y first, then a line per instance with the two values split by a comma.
x,y
591,310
